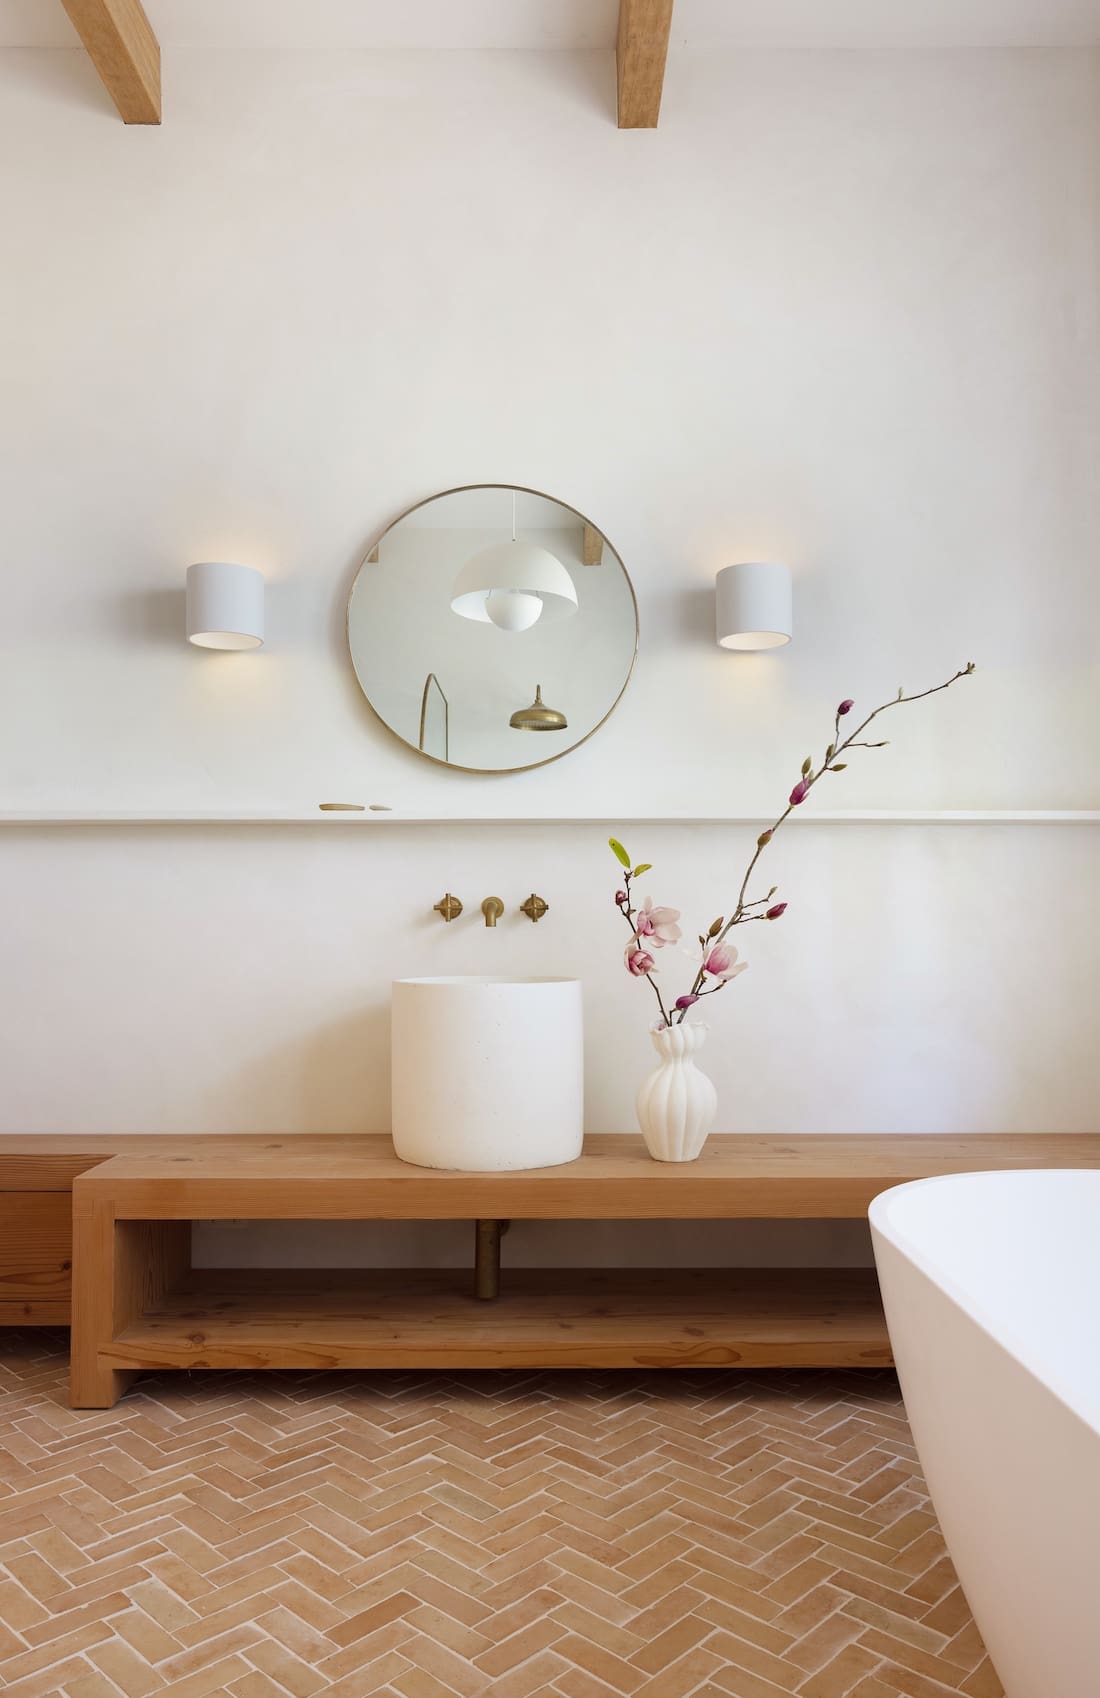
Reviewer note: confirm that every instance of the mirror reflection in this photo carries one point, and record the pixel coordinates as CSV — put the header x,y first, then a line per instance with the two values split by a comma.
x,y
492,628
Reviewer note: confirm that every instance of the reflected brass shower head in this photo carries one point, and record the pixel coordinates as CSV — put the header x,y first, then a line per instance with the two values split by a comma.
x,y
538,717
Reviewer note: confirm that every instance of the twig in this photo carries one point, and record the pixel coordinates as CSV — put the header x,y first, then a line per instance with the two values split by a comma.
x,y
740,915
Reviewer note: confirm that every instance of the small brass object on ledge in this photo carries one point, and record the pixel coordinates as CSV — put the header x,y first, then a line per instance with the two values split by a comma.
x,y
449,906
534,908
492,908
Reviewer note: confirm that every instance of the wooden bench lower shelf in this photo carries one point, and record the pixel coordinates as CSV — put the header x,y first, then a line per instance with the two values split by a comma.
x,y
548,1318
138,1304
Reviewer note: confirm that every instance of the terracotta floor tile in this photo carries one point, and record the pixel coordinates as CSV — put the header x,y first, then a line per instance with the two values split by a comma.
x,y
285,1668
742,1683
680,1677
527,1535
738,1653
837,1677
95,1686
47,1682
909,1684
129,1671
983,1683
966,1648
250,1686
950,1615
824,1641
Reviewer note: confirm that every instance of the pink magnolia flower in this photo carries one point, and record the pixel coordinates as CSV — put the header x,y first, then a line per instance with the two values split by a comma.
x,y
638,960
688,1001
722,963
658,925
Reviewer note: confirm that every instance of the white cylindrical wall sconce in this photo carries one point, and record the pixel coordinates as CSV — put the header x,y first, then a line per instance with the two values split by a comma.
x,y
225,605
752,604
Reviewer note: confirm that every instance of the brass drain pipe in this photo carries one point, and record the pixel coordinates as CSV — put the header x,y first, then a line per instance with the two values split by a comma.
x,y
487,1258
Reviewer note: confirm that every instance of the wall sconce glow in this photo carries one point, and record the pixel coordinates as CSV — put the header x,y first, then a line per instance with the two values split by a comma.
x,y
753,605
225,605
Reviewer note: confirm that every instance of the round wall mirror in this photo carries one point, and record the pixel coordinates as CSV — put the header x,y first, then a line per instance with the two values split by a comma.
x,y
492,628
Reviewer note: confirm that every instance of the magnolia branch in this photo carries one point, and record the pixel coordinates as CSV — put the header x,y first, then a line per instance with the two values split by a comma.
x,y
718,960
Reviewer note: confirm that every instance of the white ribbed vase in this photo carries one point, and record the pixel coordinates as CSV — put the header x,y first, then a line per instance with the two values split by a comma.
x,y
677,1104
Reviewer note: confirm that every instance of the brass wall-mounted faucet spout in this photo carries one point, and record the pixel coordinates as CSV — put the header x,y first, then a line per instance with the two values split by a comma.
x,y
492,908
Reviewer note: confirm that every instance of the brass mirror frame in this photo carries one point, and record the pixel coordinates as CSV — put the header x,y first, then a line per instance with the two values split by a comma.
x,y
456,766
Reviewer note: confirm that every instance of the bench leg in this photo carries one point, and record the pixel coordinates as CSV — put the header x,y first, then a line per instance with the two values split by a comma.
x,y
119,1268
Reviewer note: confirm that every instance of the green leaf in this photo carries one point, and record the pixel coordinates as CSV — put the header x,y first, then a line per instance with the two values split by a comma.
x,y
830,751
619,852
807,765
840,766
646,867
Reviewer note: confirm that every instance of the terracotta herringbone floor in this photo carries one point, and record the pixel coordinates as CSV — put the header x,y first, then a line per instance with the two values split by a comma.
x,y
571,1535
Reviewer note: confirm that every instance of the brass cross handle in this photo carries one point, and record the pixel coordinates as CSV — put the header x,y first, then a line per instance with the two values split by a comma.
x,y
449,906
534,907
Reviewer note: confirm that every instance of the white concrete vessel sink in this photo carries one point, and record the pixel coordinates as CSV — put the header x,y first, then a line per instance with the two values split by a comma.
x,y
488,1073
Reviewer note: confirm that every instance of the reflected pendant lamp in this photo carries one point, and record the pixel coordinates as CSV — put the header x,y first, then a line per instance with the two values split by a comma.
x,y
753,605
513,585
538,717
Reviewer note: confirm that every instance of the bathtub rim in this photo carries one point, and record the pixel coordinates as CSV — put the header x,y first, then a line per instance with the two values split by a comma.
x,y
1086,1408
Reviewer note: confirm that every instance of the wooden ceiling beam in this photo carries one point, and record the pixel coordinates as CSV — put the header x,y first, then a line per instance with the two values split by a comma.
x,y
640,54
122,47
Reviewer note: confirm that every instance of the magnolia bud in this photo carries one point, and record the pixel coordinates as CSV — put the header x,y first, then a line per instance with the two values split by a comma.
x,y
846,705
774,913
764,839
716,928
799,793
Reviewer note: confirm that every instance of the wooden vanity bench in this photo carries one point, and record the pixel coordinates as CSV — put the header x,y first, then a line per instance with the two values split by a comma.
x,y
138,1304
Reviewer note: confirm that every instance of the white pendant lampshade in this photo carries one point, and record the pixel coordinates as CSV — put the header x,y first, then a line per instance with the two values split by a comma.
x,y
225,605
753,605
498,585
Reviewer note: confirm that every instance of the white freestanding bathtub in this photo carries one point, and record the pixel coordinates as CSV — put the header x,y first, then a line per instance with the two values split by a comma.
x,y
991,1283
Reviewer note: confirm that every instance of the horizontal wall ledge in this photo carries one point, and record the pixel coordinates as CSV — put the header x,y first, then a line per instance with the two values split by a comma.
x,y
397,816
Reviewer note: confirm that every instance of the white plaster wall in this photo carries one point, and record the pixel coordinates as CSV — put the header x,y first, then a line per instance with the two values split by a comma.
x,y
840,309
